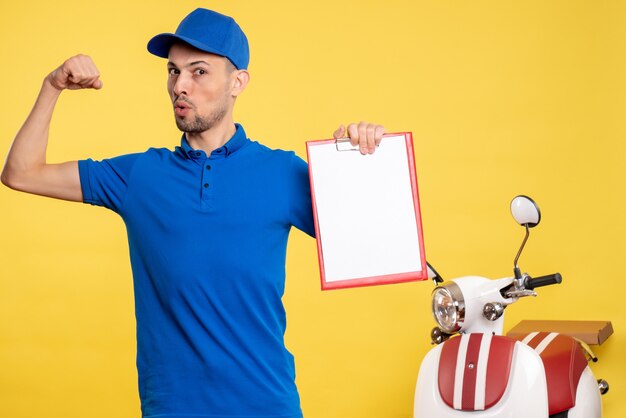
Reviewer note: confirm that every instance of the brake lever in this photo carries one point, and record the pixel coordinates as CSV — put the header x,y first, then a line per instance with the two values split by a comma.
x,y
519,293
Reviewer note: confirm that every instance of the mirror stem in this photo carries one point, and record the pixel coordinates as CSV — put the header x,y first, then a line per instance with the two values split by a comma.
x,y
518,274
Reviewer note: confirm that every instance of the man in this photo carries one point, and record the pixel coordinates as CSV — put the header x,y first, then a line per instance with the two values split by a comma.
x,y
207,228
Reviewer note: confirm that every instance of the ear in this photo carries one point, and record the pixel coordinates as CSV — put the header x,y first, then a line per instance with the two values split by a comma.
x,y
240,81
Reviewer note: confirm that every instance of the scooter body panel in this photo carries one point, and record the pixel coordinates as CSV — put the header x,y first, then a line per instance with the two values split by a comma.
x,y
588,402
564,363
525,395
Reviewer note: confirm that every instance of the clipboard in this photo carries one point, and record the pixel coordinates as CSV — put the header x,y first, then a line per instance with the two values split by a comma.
x,y
366,211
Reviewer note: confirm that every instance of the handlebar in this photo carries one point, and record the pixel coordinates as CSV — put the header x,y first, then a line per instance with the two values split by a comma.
x,y
543,281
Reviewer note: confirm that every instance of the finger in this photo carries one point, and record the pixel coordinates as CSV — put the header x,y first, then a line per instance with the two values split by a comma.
x,y
89,69
353,133
88,83
340,132
75,77
371,138
380,131
363,137
90,72
81,81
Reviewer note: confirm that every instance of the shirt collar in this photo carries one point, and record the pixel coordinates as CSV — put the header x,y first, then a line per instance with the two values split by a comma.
x,y
234,143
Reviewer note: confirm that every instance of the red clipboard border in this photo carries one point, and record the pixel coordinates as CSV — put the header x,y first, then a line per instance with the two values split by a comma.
x,y
382,279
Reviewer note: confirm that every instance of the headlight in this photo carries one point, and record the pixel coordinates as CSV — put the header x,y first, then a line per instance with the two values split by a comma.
x,y
449,307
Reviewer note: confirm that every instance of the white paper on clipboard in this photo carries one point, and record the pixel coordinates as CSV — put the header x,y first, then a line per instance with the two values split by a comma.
x,y
366,209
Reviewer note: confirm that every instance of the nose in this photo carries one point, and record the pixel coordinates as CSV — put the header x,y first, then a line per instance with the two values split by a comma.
x,y
181,85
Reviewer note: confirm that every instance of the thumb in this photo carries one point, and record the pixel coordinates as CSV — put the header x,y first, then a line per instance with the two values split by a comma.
x,y
97,84
340,132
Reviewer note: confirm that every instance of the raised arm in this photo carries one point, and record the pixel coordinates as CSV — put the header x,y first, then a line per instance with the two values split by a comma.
x,y
26,168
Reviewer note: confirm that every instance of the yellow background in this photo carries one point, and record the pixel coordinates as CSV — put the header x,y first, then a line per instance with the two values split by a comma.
x,y
503,97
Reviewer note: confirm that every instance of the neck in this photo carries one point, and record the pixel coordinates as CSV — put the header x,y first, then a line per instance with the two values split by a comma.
x,y
213,138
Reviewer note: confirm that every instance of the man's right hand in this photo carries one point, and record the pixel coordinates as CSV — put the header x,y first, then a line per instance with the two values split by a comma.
x,y
78,72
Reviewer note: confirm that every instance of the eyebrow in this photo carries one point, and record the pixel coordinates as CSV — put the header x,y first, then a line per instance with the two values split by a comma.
x,y
191,64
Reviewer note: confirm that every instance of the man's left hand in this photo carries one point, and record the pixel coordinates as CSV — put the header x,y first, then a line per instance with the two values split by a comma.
x,y
366,135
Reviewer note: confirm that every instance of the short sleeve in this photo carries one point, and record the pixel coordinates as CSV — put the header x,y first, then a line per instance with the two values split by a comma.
x,y
300,197
104,183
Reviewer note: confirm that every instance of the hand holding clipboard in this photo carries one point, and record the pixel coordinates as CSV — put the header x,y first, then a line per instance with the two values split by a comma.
x,y
365,136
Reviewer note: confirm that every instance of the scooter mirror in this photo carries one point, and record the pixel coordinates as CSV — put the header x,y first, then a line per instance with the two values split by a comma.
x,y
525,211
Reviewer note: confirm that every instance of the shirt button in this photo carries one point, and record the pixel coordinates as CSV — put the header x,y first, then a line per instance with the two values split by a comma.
x,y
208,167
206,185
197,154
219,151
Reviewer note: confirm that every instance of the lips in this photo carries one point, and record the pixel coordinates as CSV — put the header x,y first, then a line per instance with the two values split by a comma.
x,y
181,111
181,108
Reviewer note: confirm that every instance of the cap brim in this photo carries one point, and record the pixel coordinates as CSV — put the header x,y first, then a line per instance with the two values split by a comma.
x,y
160,45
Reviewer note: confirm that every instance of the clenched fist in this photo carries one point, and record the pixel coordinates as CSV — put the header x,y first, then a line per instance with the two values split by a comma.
x,y
78,72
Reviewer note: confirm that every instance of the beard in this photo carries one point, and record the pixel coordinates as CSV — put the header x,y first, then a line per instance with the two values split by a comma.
x,y
200,123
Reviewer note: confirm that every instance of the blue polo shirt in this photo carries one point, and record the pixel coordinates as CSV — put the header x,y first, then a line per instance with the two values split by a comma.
x,y
208,237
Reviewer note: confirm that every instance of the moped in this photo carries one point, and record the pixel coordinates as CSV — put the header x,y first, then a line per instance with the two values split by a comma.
x,y
474,371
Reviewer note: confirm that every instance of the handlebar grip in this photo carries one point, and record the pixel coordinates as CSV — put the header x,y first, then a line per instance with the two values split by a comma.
x,y
543,281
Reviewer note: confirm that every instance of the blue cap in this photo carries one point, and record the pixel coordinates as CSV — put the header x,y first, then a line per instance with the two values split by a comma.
x,y
207,31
